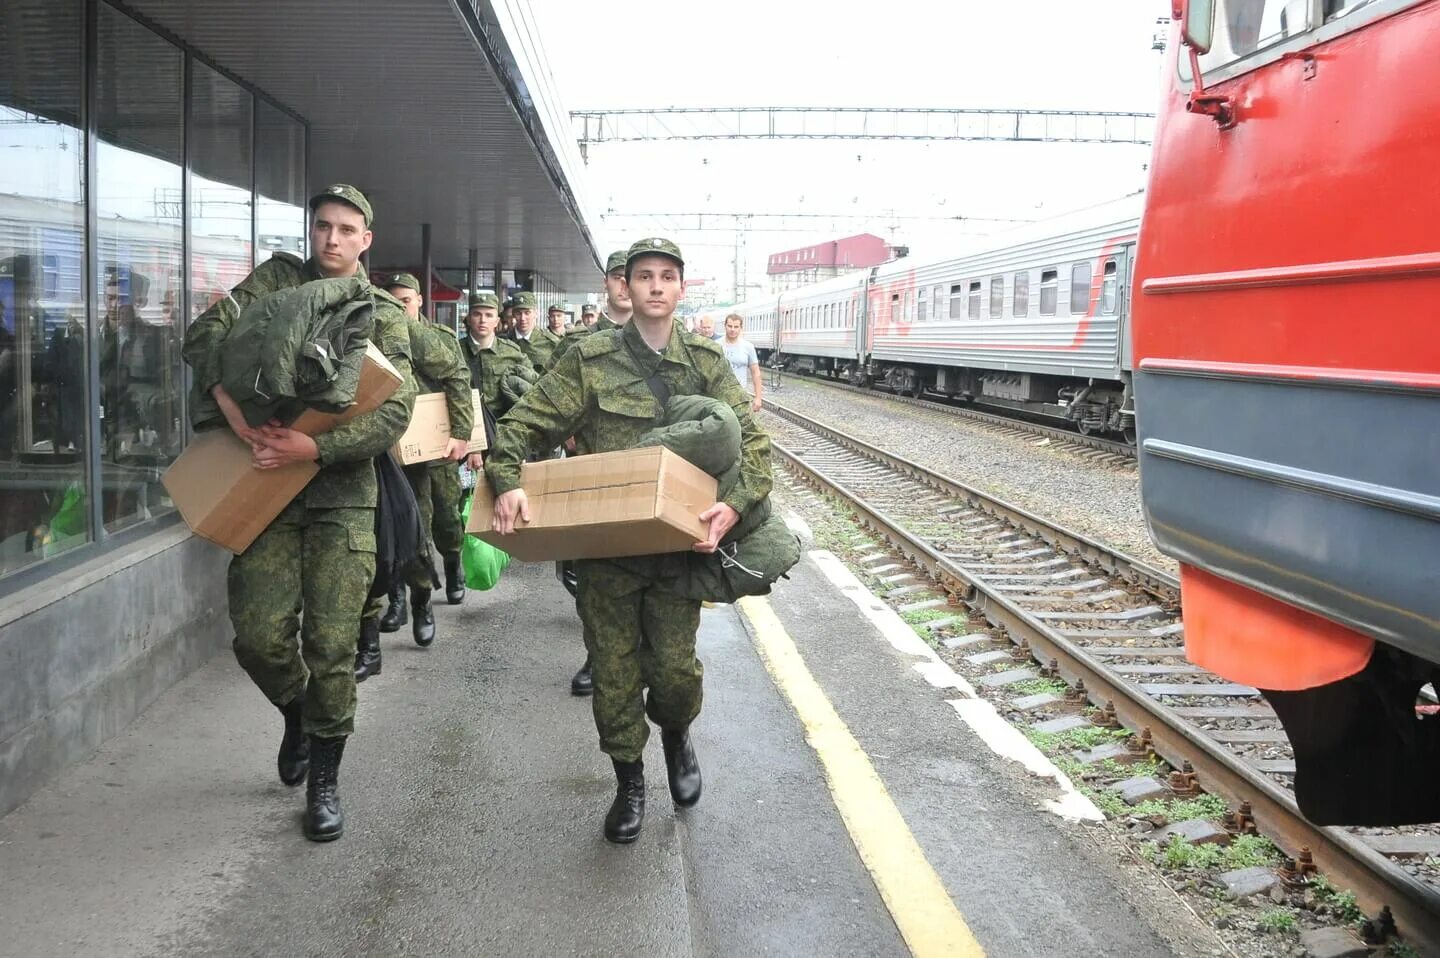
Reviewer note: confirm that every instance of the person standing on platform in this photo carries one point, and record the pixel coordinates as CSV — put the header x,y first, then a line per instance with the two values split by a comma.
x,y
310,571
705,326
537,344
439,368
640,637
589,313
497,366
555,320
742,358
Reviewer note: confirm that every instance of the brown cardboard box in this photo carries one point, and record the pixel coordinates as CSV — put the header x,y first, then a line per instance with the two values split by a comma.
x,y
613,504
428,434
223,498
477,434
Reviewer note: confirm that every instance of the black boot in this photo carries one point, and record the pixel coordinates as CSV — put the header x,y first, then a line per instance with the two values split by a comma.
x,y
396,615
423,628
324,822
367,651
454,579
681,767
583,683
627,812
294,757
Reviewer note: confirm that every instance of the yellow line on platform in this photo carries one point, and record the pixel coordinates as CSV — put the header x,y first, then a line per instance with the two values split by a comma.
x,y
921,908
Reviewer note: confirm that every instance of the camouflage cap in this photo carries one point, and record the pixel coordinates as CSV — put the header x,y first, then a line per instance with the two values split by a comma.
x,y
657,246
484,298
616,261
523,300
346,194
559,308
402,279
589,308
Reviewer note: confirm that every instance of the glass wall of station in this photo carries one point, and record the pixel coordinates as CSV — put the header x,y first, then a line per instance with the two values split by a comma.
x,y
138,183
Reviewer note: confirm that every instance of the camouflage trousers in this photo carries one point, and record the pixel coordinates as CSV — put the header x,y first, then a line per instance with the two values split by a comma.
x,y
638,637
295,597
437,490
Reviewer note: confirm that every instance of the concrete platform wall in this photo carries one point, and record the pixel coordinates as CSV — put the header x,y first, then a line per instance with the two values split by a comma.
x,y
84,652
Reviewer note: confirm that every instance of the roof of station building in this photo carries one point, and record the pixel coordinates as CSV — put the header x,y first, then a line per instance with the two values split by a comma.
x,y
440,110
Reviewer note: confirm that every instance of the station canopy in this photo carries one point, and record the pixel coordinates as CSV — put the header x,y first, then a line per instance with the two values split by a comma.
x,y
440,110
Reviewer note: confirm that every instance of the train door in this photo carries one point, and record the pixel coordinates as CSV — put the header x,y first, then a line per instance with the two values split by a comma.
x,y
1124,274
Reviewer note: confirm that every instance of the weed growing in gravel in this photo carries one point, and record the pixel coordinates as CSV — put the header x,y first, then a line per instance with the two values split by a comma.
x,y
1278,921
1171,809
918,616
1342,904
1243,851
1040,687
1400,949
1086,737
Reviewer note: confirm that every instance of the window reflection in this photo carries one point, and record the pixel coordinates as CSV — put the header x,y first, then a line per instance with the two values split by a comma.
x,y
43,409
279,182
139,270
221,244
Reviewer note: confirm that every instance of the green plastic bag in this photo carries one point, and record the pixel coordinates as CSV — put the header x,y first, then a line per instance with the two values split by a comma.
x,y
481,561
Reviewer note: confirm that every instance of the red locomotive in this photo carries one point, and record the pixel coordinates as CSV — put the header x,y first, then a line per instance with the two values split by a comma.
x,y
1287,369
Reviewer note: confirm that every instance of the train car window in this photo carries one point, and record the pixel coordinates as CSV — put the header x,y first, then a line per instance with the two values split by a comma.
x,y
997,297
975,299
1049,283
1109,287
910,306
920,307
957,301
1020,301
1080,275
1244,27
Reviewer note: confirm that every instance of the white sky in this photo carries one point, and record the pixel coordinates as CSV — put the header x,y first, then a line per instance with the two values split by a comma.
x,y
1054,54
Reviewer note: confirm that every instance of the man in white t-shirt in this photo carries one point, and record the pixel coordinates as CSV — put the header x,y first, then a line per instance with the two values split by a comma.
x,y
743,361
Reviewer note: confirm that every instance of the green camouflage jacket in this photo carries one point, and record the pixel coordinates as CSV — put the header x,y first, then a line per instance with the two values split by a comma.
x,y
539,347
346,477
498,371
598,393
440,368
579,333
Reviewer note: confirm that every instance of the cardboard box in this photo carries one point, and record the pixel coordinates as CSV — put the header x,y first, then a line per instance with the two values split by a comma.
x,y
605,506
224,499
428,434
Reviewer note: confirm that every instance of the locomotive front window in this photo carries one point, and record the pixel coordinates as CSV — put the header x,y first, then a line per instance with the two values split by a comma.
x,y
1080,275
1020,301
1109,286
1049,285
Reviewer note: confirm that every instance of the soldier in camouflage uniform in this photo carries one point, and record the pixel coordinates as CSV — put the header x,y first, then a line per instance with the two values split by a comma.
x,y
617,302
536,343
439,367
617,306
497,366
638,635
310,570
555,321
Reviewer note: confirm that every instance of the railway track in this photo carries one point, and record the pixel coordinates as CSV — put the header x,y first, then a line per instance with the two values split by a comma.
x,y
1109,625
1102,450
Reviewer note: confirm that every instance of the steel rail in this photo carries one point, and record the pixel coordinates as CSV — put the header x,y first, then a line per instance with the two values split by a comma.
x,y
1376,881
1112,446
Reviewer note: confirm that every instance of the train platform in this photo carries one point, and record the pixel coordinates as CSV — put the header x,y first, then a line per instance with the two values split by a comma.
x,y
851,807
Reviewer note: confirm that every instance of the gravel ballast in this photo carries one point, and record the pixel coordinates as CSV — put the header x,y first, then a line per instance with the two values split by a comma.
x,y
1100,501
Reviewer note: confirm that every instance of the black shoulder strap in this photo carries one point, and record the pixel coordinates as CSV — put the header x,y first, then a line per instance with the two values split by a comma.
x,y
658,387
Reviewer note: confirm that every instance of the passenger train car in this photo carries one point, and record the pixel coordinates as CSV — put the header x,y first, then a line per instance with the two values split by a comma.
x,y
1288,373
1034,320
